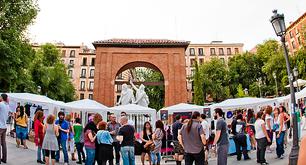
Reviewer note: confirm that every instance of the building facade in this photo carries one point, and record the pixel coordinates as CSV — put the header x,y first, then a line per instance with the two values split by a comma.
x,y
204,53
295,34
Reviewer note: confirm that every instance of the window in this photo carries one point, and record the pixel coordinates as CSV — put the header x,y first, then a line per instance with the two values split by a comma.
x,y
92,73
222,59
236,51
81,96
192,72
93,60
221,52
91,85
72,53
119,88
191,51
201,61
83,73
71,62
63,53
192,86
201,53
70,73
293,44
90,96
82,86
229,51
290,34
299,40
192,62
212,51
84,63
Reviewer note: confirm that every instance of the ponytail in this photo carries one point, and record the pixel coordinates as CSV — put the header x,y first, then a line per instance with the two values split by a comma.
x,y
195,115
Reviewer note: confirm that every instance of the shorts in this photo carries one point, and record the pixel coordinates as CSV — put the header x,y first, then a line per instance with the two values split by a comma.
x,y
21,132
178,149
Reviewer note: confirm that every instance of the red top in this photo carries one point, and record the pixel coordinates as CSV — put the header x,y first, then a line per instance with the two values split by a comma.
x,y
39,134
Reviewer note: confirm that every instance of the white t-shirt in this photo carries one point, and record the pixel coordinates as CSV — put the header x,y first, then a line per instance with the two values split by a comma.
x,y
205,126
271,121
258,129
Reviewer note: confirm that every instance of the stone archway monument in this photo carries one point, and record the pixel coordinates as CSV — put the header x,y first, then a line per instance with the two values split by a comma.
x,y
166,56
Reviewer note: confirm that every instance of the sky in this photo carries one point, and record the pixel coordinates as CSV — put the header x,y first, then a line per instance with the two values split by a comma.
x,y
200,21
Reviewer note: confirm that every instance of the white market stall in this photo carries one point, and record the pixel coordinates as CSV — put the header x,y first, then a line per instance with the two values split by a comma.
x,y
85,108
184,109
301,94
138,114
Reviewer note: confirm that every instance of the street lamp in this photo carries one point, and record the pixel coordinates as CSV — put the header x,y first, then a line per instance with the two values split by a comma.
x,y
38,89
296,74
278,23
276,88
246,91
259,85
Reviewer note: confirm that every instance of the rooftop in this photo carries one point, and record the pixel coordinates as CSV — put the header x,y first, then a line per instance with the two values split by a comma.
x,y
145,43
296,21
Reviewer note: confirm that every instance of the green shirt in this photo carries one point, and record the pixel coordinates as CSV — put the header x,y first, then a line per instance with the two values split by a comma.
x,y
298,116
78,129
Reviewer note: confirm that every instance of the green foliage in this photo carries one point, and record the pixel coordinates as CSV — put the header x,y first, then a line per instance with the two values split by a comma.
x,y
240,91
198,88
50,74
156,94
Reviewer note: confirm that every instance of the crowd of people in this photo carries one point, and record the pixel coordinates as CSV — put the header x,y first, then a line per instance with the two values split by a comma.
x,y
194,139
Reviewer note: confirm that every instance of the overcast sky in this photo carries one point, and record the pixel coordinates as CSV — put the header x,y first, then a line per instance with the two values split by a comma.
x,y
198,21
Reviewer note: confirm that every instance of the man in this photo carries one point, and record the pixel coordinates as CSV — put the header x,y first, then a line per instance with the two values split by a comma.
x,y
4,110
113,128
63,126
221,138
130,122
178,149
206,129
126,137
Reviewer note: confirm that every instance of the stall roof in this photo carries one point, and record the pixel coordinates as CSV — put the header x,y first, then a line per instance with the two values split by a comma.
x,y
301,94
30,98
132,108
246,102
86,104
183,107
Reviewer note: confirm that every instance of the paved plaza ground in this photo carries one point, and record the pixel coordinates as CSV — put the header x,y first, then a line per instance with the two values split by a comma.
x,y
18,156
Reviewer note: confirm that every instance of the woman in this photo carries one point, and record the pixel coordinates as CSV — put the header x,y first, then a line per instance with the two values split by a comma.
x,y
262,138
79,140
192,139
157,137
21,127
282,110
104,148
240,138
250,127
50,144
39,134
70,142
146,136
279,127
90,132
269,124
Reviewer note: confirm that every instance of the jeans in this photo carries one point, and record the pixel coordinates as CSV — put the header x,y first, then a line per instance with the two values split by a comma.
x,y
116,146
155,158
80,151
90,156
280,144
241,142
261,149
199,158
3,144
222,151
128,155
62,143
39,152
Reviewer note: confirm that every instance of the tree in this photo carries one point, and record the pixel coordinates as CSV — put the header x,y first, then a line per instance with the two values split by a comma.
x,y
16,53
50,74
198,87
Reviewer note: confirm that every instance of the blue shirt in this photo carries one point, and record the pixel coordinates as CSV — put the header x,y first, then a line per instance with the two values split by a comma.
x,y
4,110
65,126
104,137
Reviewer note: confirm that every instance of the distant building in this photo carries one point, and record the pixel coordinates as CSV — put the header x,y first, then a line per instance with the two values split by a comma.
x,y
294,35
205,52
80,62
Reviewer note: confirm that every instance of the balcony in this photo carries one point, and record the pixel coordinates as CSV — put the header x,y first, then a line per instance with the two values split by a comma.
x,y
82,89
83,76
89,89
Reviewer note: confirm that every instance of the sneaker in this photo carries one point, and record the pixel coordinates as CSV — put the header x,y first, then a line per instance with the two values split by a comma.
x,y
282,157
265,163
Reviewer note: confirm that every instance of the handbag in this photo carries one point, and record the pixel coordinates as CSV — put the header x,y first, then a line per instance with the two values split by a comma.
x,y
149,146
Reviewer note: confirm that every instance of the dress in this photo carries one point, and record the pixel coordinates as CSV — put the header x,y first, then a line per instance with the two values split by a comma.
x,y
50,140
158,141
145,137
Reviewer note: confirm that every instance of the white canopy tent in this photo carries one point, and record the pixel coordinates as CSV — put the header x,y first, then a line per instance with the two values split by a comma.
x,y
136,113
246,102
301,94
184,107
298,83
86,107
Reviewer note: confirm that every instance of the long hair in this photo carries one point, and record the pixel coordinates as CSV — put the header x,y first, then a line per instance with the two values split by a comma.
x,y
145,129
21,111
39,115
195,115
159,124
250,115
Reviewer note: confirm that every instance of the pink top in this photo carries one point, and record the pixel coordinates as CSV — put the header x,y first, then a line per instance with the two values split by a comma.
x,y
87,141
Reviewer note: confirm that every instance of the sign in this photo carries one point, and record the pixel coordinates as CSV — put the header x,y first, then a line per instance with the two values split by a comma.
x,y
164,114
184,115
206,111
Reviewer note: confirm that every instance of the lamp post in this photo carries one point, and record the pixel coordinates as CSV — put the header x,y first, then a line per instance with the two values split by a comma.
x,y
259,85
296,74
278,23
276,88
246,91
38,89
